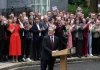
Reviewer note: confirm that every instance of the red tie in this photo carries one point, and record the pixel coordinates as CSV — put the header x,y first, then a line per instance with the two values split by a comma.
x,y
52,43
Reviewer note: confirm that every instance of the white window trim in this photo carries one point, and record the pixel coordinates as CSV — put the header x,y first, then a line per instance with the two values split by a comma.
x,y
41,4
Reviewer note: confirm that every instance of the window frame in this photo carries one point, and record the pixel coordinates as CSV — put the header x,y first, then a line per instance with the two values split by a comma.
x,y
41,6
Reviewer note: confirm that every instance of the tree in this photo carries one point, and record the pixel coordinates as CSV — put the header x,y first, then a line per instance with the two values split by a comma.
x,y
94,6
72,2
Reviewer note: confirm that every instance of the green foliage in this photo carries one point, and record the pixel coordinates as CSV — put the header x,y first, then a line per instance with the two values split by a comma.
x,y
86,11
72,8
84,6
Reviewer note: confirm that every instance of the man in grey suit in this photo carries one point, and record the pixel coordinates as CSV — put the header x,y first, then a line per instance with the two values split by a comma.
x,y
45,23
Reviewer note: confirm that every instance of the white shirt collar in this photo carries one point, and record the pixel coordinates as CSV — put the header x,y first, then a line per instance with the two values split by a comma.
x,y
52,37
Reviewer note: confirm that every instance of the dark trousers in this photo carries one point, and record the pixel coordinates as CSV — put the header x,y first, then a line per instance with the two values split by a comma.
x,y
79,45
49,63
1,49
6,49
37,48
28,43
96,46
22,47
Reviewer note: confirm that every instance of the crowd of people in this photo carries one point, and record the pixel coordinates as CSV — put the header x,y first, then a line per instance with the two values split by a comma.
x,y
21,37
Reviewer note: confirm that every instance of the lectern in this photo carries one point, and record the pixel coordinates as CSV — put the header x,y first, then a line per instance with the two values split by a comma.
x,y
63,57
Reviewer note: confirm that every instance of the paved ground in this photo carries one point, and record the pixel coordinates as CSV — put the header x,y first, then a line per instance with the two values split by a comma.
x,y
9,65
88,65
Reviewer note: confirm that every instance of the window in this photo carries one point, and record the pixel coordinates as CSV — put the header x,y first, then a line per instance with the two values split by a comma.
x,y
44,2
38,2
41,6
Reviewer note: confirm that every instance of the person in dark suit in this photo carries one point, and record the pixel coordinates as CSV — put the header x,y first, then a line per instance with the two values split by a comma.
x,y
2,33
78,35
60,28
37,30
50,44
6,39
22,36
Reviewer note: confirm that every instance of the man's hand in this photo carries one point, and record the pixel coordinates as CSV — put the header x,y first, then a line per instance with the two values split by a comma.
x,y
53,51
57,50
41,29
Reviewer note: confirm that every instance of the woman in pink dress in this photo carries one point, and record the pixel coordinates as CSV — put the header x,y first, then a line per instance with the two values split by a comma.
x,y
69,42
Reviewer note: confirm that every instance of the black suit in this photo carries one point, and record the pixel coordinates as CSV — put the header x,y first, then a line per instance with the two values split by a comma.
x,y
2,33
6,43
22,35
46,56
36,41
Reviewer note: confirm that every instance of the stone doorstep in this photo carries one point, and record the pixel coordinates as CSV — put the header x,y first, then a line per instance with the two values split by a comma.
x,y
6,66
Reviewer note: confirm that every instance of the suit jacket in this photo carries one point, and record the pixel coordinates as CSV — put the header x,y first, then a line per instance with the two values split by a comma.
x,y
45,32
79,31
95,29
47,48
36,32
2,30
59,30
22,31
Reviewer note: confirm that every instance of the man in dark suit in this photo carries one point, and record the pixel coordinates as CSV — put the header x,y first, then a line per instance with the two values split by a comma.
x,y
2,33
37,30
22,35
50,44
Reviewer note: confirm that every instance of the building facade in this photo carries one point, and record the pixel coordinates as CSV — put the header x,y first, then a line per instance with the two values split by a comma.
x,y
41,6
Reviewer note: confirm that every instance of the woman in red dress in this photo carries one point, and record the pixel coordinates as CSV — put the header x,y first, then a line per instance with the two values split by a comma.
x,y
15,41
